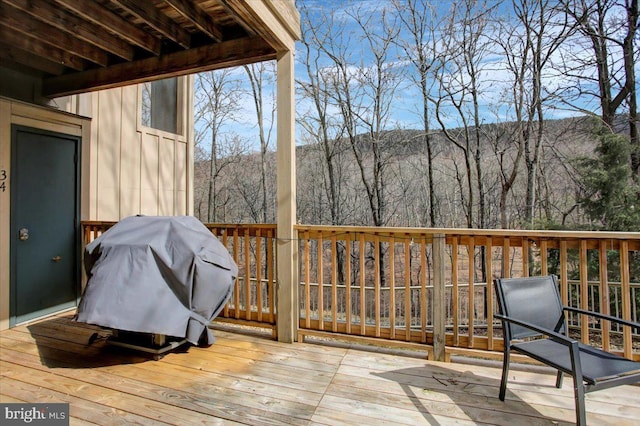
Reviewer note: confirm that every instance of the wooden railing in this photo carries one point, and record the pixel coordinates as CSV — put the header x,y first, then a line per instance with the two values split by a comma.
x,y
253,249
425,286
383,282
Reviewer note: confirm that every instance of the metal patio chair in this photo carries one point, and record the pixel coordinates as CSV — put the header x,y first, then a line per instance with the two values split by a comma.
x,y
531,308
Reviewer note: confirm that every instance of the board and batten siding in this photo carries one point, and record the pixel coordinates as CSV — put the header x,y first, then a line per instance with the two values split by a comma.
x,y
136,169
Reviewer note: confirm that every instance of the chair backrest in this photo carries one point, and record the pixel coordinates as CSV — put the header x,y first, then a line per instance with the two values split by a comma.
x,y
535,300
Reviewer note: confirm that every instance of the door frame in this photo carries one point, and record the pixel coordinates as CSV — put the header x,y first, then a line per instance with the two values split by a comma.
x,y
77,267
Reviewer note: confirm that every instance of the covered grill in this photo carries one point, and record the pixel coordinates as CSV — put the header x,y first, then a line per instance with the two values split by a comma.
x,y
166,276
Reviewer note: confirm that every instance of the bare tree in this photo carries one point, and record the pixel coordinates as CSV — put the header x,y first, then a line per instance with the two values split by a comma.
x,y
319,126
528,43
378,83
217,95
345,93
458,72
420,19
260,75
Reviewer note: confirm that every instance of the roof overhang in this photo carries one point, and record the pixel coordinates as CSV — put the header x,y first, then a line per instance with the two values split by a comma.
x,y
76,46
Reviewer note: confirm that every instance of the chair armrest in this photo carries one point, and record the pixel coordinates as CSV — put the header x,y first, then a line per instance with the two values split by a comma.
x,y
603,316
560,338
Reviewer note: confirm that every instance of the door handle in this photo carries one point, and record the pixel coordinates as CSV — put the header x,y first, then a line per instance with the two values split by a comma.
x,y
57,259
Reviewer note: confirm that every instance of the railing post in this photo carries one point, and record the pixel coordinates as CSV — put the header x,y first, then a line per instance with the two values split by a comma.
x,y
287,248
439,295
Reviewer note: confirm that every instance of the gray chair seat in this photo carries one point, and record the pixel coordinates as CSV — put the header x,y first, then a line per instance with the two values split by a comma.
x,y
597,365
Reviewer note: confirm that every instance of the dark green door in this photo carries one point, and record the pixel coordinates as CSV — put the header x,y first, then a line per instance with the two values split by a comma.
x,y
44,221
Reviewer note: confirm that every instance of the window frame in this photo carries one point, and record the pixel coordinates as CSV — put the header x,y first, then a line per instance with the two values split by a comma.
x,y
181,110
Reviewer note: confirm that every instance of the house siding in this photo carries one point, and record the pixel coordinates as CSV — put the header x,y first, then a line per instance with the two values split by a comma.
x,y
136,169
126,168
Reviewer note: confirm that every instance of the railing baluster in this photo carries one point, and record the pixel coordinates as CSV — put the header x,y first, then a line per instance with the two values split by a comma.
x,y
584,291
392,287
455,291
506,264
320,281
334,282
525,257
376,282
489,291
544,267
259,273
423,289
270,277
347,279
225,311
236,289
626,296
247,281
363,313
604,294
471,247
407,288
307,280
564,279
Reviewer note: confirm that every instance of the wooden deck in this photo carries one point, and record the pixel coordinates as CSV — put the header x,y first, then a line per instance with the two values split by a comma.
x,y
244,379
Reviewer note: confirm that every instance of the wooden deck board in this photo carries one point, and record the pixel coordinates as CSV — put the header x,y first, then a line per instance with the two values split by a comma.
x,y
244,379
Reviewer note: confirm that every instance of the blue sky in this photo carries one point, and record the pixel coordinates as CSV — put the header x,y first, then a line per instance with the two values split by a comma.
x,y
494,79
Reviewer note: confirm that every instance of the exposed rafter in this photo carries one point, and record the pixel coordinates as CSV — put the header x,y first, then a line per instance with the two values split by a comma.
x,y
40,49
44,33
197,16
69,23
22,57
148,13
112,23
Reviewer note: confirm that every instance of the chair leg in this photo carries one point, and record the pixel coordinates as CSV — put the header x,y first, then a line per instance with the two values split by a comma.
x,y
505,372
581,414
559,380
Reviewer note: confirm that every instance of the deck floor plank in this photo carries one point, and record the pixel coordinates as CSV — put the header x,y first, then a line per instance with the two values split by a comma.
x,y
197,395
95,412
246,379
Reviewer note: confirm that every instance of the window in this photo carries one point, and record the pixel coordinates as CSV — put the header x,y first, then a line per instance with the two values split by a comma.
x,y
160,105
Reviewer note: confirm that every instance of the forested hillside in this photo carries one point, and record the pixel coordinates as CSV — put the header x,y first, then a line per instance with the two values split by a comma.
x,y
406,181
437,114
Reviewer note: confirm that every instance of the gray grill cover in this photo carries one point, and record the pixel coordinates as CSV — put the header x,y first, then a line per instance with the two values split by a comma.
x,y
163,275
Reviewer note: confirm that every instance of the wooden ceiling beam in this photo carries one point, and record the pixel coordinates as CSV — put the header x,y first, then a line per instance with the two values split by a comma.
x,y
106,20
24,23
42,50
72,24
215,56
19,56
156,20
198,17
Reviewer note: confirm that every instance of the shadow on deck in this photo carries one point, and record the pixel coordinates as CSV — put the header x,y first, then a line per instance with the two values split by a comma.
x,y
246,379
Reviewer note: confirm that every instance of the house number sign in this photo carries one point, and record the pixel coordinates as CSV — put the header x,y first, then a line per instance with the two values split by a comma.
x,y
3,180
